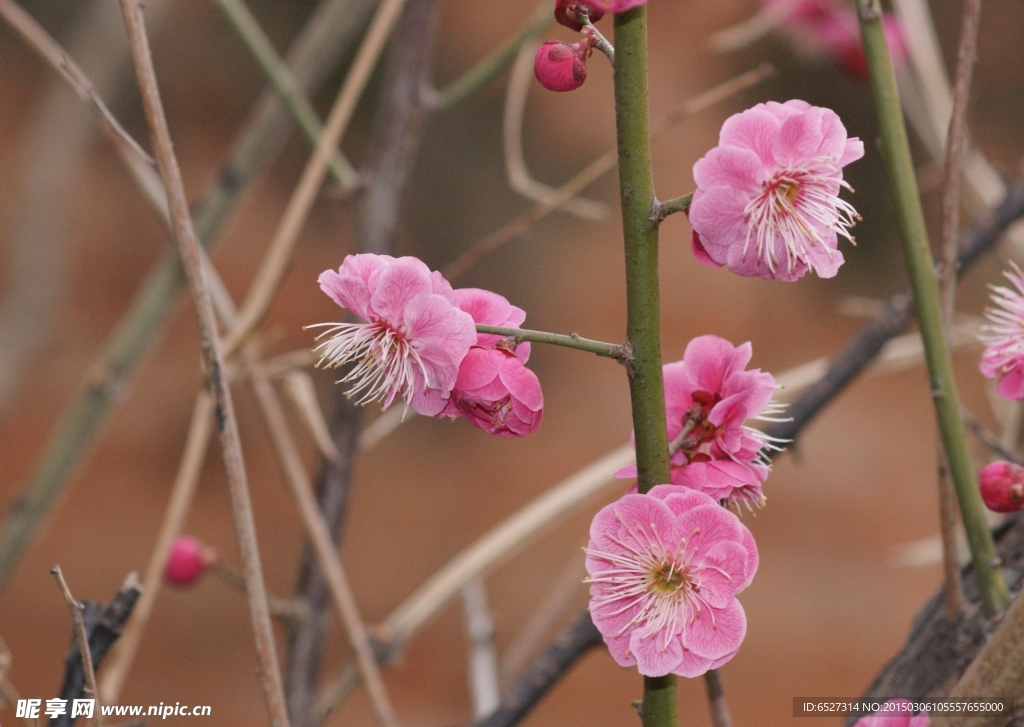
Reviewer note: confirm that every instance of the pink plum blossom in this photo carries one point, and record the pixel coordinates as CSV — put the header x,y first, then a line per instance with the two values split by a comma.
x,y
895,713
710,395
494,390
1002,486
767,200
414,338
187,560
1004,337
664,570
560,66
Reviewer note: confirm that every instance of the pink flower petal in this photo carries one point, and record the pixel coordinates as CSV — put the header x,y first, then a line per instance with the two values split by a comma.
x,y
717,632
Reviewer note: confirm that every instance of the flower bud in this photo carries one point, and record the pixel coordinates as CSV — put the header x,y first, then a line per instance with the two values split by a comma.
x,y
188,560
565,14
1002,486
560,66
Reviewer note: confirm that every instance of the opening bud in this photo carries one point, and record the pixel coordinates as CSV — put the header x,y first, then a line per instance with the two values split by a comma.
x,y
560,66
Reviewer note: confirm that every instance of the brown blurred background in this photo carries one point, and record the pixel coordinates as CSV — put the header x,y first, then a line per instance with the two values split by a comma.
x,y
827,608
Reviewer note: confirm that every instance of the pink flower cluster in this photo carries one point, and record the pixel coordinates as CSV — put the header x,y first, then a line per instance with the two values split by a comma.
x,y
419,343
1004,337
664,570
708,397
824,28
767,201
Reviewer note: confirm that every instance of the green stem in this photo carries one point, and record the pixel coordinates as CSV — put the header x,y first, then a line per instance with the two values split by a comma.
x,y
281,79
491,67
643,314
672,206
619,352
636,188
896,152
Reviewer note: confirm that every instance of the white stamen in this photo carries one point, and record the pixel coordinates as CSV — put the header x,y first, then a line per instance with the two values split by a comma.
x,y
385,362
796,206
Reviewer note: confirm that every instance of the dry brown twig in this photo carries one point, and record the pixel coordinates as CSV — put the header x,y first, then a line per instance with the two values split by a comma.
x,y
83,642
231,446
955,145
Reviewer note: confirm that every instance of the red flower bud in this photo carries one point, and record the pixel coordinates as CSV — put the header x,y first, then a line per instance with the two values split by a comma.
x,y
188,559
565,14
560,66
1002,486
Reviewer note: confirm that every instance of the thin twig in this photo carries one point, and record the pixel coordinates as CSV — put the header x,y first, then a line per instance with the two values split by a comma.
x,y
670,207
231,445
955,143
619,351
280,77
949,521
519,83
989,439
716,699
483,661
279,254
584,178
83,642
182,492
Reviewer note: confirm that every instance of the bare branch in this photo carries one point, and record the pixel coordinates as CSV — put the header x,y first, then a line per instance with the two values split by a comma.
x,y
83,641
188,248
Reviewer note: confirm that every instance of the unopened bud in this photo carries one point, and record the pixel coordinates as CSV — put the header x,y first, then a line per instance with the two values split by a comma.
x,y
1002,486
560,66
188,559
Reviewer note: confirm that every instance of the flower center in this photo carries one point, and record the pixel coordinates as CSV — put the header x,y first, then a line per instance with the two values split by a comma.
x,y
668,578
386,364
797,207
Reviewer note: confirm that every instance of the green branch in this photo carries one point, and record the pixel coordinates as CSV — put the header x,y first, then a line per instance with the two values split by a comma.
x,y
896,152
643,313
618,351
662,210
